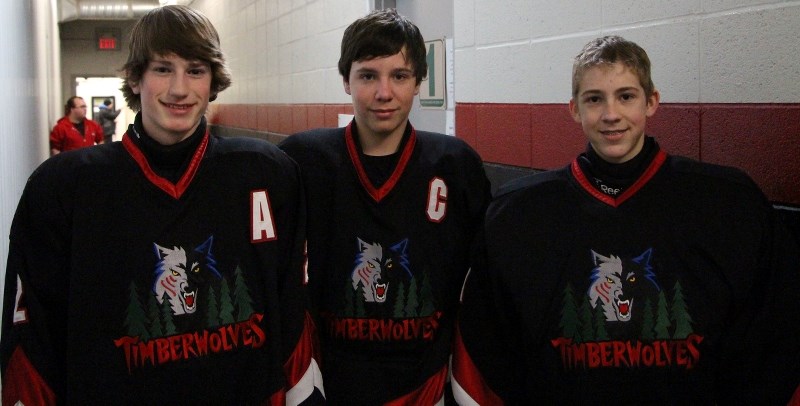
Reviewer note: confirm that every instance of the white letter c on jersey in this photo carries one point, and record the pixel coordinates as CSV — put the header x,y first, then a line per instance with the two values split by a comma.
x,y
437,200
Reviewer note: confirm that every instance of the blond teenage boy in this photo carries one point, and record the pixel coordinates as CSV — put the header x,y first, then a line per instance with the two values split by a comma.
x,y
630,276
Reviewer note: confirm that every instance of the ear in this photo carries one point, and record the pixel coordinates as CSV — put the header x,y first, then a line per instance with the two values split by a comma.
x,y
652,103
573,110
416,90
346,86
134,86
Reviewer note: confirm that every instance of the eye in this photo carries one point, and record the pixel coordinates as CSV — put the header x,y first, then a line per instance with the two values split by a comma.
x,y
632,279
197,71
175,273
627,96
367,76
592,100
389,265
609,280
371,265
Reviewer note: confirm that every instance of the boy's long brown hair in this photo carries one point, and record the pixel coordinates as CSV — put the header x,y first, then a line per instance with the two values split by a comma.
x,y
177,30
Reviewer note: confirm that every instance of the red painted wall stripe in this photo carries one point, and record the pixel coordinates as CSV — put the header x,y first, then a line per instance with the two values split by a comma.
x,y
761,139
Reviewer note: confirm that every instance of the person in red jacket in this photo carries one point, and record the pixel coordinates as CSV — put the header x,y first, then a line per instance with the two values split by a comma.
x,y
74,130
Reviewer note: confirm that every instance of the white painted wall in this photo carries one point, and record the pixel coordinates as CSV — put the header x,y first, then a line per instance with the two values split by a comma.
x,y
707,51
435,21
520,51
283,51
30,67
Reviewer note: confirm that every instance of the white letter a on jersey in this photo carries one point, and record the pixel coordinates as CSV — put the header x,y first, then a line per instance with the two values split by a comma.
x,y
261,224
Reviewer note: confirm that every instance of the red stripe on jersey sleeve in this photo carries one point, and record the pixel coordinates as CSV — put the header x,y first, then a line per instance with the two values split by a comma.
x,y
428,394
466,374
22,383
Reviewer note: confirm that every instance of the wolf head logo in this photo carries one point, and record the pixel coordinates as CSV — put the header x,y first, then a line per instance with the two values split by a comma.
x,y
179,275
618,282
375,267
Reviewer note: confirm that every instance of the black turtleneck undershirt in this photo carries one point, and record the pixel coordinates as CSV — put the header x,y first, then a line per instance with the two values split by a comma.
x,y
380,168
168,161
612,179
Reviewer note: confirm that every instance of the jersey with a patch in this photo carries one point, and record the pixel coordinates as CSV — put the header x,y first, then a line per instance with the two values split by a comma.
x,y
123,287
668,293
387,262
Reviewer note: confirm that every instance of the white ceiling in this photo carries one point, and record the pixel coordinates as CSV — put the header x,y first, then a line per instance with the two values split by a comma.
x,y
69,10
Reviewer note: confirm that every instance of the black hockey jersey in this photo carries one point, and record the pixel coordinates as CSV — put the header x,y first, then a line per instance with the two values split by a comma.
x,y
386,263
125,288
680,290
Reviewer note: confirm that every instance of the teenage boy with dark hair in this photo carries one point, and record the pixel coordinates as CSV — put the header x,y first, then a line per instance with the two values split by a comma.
x,y
166,268
391,214
630,276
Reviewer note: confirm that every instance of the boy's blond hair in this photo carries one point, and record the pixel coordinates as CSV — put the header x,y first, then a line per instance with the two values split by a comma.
x,y
609,50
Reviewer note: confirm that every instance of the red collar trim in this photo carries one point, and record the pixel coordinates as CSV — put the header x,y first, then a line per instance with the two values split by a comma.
x,y
174,190
651,170
378,193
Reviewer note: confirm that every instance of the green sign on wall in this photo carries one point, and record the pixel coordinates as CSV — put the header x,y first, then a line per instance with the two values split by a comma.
x,y
432,89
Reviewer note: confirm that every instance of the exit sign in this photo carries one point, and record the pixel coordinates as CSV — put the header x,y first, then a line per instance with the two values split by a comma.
x,y
106,43
107,39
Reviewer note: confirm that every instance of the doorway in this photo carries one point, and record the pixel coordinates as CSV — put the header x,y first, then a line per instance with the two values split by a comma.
x,y
94,90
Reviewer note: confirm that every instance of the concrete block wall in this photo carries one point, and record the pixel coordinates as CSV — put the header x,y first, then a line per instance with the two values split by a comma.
x,y
727,71
283,51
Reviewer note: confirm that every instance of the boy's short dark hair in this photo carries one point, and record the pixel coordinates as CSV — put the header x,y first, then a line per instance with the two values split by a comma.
x,y
177,30
107,102
609,50
383,33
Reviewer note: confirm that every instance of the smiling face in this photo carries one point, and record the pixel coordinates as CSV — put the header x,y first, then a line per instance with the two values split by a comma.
x,y
383,91
612,108
175,93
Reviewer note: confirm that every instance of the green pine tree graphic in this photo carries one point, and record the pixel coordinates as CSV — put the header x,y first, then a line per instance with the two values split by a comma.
x,y
680,314
349,309
166,316
600,324
426,295
359,301
154,315
212,312
135,317
569,314
244,303
648,324
413,303
225,304
662,318
586,319
399,301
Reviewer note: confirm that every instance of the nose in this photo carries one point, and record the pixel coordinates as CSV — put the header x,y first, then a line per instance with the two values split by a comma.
x,y
610,112
384,90
179,86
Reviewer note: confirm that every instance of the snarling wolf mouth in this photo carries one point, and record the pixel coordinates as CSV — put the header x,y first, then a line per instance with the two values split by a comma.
x,y
188,299
380,291
624,309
